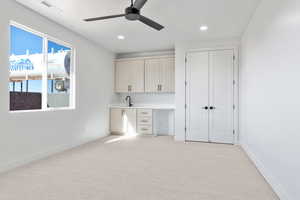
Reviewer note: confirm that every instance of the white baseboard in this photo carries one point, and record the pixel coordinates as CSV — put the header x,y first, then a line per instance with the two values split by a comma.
x,y
275,184
41,155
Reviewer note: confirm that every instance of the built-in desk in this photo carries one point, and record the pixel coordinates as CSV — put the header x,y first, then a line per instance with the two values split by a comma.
x,y
142,119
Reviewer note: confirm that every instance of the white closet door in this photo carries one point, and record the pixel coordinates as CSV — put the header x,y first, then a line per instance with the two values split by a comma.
x,y
221,96
197,74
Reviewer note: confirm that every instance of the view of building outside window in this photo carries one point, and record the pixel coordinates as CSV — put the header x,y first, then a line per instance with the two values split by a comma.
x,y
58,75
28,68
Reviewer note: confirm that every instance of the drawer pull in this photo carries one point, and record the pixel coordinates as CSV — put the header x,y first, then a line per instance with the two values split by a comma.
x,y
145,129
145,121
145,113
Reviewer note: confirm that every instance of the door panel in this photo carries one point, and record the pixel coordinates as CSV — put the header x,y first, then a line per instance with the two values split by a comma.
x,y
136,75
122,76
130,121
167,80
221,96
152,75
197,74
116,121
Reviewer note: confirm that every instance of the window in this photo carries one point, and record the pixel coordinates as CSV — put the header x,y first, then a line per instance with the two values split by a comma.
x,y
41,71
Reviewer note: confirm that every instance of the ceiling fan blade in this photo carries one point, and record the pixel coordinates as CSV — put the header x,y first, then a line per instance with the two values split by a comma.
x,y
151,23
138,4
105,17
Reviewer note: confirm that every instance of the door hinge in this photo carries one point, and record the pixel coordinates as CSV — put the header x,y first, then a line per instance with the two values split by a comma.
x,y
185,59
233,82
185,106
233,57
233,132
233,107
185,129
185,83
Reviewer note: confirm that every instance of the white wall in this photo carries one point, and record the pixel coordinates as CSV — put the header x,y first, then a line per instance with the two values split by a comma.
x,y
29,136
270,98
181,48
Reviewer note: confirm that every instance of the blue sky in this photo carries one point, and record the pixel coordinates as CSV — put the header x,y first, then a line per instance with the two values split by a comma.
x,y
20,42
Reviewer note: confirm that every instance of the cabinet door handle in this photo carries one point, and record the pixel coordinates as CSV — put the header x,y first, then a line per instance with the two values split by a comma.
x,y
159,87
129,88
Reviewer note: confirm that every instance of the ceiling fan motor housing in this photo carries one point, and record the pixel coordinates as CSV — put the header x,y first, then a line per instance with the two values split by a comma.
x,y
132,13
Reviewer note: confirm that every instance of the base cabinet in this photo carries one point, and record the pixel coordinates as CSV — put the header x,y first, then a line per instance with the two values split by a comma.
x,y
131,121
123,121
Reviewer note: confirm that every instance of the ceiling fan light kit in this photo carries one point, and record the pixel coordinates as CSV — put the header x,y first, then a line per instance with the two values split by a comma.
x,y
132,13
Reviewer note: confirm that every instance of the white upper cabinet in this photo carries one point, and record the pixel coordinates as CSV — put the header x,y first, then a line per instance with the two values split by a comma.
x,y
155,75
160,75
152,75
129,76
167,80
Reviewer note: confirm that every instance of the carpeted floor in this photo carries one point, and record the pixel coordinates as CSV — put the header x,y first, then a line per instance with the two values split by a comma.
x,y
143,168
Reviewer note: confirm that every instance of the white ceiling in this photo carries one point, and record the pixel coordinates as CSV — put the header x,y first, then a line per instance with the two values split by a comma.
x,y
182,19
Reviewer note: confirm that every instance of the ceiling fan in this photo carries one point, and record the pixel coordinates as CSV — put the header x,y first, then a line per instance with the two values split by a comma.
x,y
132,13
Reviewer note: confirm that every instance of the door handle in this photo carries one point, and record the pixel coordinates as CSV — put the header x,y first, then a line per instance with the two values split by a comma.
x,y
206,107
212,107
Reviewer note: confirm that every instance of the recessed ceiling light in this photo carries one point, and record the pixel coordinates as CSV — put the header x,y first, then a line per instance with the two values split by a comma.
x,y
203,28
121,37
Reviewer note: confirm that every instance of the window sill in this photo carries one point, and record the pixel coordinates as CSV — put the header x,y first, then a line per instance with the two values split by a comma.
x,y
42,110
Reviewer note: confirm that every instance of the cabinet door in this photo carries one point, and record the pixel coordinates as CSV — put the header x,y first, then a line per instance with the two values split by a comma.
x,y
129,76
122,76
129,120
116,121
137,76
167,75
152,75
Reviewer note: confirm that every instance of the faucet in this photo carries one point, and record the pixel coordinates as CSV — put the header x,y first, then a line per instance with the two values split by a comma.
x,y
128,99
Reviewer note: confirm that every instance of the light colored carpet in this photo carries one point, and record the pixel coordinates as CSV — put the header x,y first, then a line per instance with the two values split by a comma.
x,y
144,168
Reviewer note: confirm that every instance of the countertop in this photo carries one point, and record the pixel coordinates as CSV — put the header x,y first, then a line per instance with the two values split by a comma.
x,y
145,106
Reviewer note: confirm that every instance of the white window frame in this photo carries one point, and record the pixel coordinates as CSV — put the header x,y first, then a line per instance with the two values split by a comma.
x,y
47,38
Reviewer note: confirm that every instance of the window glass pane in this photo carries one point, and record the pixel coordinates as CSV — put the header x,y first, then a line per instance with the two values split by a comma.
x,y
59,68
26,67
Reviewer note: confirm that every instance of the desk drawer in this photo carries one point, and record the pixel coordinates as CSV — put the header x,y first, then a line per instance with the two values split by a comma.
x,y
143,129
144,113
145,120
